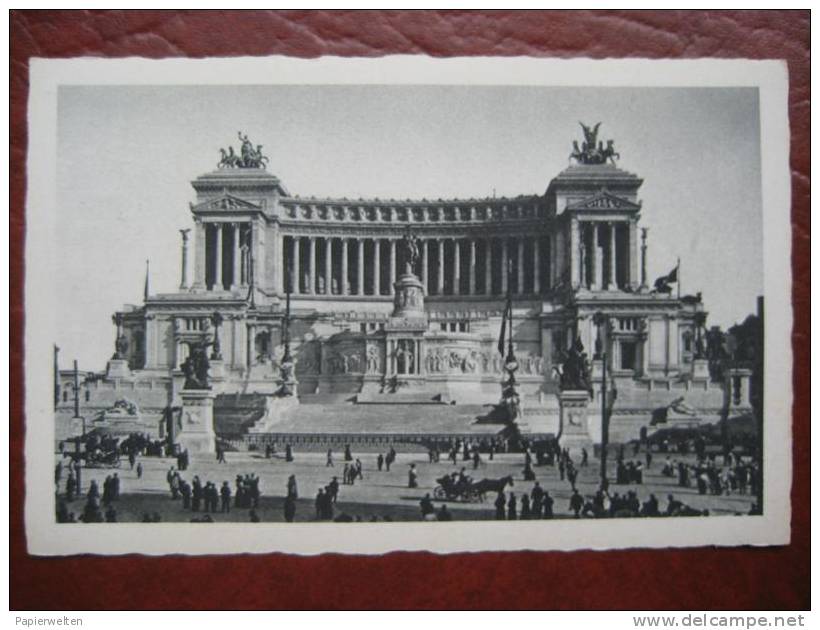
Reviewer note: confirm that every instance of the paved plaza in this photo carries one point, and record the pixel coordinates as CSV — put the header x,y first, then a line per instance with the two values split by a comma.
x,y
383,495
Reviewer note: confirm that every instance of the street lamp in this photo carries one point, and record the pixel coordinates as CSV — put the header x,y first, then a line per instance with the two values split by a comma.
x,y
600,320
76,389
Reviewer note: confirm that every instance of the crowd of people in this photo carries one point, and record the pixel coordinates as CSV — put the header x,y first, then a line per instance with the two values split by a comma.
x,y
735,474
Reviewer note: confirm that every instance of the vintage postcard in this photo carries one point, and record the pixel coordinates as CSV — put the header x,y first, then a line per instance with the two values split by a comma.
x,y
451,305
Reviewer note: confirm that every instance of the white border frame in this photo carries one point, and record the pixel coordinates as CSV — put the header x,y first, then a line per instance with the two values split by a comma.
x,y
46,537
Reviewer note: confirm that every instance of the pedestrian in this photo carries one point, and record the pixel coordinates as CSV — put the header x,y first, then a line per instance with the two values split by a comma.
x,y
290,508
359,469
476,459
548,503
427,508
380,462
576,502
185,489
333,489
537,500
225,493
500,504
584,457
412,477
319,504
525,507
58,473
346,474
329,458
139,470
70,486
220,455
115,487
292,490
196,494
444,514
512,509
288,453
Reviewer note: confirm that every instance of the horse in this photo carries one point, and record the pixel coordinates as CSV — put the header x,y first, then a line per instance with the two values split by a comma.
x,y
491,485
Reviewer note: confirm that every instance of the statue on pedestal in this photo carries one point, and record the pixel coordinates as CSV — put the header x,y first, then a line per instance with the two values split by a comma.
x,y
120,341
196,366
574,372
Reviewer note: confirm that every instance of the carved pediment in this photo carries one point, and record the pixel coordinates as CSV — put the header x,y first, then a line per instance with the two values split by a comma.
x,y
603,201
227,202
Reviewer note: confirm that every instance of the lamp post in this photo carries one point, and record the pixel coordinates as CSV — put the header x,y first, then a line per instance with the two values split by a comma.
x,y
76,389
286,367
599,319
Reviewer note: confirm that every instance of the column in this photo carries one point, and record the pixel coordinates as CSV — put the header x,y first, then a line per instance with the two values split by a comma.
x,y
237,256
553,260
311,288
251,345
488,266
596,258
255,252
199,262
504,266
520,266
613,250
328,265
343,288
472,267
633,255
360,267
183,283
392,264
456,266
574,253
536,265
425,267
275,262
218,251
295,271
440,285
377,256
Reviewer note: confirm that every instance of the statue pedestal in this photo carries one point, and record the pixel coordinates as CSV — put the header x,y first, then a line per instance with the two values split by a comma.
x,y
700,370
117,368
574,421
409,297
197,432
597,371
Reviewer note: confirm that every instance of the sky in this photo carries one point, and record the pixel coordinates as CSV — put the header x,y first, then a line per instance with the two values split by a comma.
x,y
127,154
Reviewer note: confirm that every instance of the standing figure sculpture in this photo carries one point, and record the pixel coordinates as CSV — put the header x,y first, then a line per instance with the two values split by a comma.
x,y
411,250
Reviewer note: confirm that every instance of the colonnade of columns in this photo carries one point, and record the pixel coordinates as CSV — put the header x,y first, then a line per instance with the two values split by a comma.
x,y
225,264
607,255
319,265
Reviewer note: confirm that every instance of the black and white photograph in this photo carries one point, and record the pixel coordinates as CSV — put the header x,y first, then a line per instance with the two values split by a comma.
x,y
365,305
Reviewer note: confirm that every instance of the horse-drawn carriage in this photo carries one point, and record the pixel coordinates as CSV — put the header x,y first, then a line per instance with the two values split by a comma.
x,y
99,458
452,488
